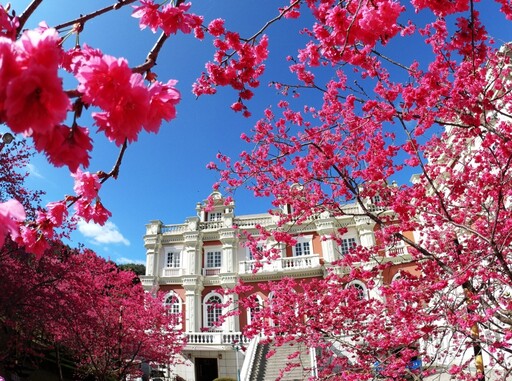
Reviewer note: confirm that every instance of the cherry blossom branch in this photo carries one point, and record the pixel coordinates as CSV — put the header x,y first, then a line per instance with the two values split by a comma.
x,y
262,29
152,55
82,19
392,61
275,19
114,172
27,13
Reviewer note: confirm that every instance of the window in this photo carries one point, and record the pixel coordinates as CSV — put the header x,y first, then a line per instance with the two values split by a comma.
x,y
215,216
302,248
173,259
213,259
173,302
174,306
347,244
255,309
360,288
212,310
376,199
251,255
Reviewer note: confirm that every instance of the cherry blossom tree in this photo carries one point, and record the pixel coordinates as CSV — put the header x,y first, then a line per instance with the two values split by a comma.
x,y
377,115
74,304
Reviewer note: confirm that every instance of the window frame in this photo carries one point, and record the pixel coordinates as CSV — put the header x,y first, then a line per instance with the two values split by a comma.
x,y
213,260
175,263
362,289
300,244
214,216
345,250
211,315
176,307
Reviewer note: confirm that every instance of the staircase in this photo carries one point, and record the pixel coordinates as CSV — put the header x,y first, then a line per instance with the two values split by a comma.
x,y
297,368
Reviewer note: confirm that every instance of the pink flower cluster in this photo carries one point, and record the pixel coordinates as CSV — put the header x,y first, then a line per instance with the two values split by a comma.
x,y
236,63
11,214
86,188
32,100
8,24
34,103
127,104
168,18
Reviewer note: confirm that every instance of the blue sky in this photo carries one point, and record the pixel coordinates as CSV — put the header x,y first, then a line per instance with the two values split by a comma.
x,y
163,176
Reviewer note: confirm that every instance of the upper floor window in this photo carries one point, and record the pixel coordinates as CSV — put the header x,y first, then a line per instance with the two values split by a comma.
x,y
213,259
173,260
347,244
214,216
302,247
255,252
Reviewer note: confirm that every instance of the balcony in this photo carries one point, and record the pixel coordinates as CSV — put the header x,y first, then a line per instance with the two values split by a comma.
x,y
396,250
173,272
216,338
211,271
280,264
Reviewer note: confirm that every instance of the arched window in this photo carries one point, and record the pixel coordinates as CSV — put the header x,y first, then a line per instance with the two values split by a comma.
x,y
360,287
173,303
212,311
174,306
253,311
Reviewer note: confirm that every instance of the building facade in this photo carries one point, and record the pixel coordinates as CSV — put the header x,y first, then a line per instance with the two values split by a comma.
x,y
195,261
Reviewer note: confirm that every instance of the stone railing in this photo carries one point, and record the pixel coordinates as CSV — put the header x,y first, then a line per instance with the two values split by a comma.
x,y
173,271
396,251
280,264
251,222
173,229
211,271
222,338
211,225
147,281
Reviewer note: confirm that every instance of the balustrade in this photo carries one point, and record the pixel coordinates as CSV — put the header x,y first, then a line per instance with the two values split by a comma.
x,y
287,263
173,271
227,338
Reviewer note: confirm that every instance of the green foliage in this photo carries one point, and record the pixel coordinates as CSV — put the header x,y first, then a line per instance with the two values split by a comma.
x,y
135,267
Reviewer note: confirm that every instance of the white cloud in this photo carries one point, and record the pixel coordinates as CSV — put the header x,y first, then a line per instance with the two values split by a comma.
x,y
102,235
124,260
33,171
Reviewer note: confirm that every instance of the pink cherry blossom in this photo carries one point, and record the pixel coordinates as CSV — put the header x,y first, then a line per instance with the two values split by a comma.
x,y
86,185
124,117
65,146
11,214
57,212
162,104
33,241
102,80
175,18
35,101
148,14
8,24
39,47
92,212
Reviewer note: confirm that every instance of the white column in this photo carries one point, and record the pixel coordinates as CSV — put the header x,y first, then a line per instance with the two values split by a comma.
x,y
365,227
229,258
193,287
